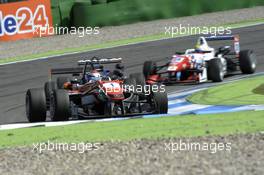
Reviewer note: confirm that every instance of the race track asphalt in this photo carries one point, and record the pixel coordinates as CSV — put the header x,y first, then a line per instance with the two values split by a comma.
x,y
15,79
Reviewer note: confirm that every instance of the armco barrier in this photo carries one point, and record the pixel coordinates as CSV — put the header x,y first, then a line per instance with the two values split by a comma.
x,y
24,19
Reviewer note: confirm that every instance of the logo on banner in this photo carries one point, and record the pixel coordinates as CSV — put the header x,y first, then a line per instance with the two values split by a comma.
x,y
25,21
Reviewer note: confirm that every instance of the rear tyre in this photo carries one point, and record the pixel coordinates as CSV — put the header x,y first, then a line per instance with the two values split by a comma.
x,y
139,77
108,109
161,102
140,80
100,108
60,105
61,81
247,62
129,84
215,70
149,68
36,105
49,87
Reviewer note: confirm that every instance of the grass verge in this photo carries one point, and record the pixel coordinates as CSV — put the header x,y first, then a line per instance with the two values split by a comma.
x,y
152,128
114,44
244,92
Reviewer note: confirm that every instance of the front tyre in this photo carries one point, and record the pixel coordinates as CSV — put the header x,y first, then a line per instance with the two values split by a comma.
x,y
140,79
60,105
129,85
161,102
61,81
215,70
247,62
149,68
49,87
36,105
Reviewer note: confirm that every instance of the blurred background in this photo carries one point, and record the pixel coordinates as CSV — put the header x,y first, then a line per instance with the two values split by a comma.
x,y
100,13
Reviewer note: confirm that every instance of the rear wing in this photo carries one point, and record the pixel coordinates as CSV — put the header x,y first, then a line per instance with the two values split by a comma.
x,y
76,70
61,71
234,38
83,66
100,61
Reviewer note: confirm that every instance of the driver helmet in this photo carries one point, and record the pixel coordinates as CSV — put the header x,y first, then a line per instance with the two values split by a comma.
x,y
202,46
93,76
98,67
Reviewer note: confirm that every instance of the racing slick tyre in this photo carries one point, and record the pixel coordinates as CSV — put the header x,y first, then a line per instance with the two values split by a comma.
x,y
139,77
149,68
61,81
247,62
161,102
49,87
60,105
215,70
108,109
140,80
36,105
129,84
100,108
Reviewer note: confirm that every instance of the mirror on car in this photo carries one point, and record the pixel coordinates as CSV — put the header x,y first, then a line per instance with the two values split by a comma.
x,y
75,75
75,81
120,66
224,49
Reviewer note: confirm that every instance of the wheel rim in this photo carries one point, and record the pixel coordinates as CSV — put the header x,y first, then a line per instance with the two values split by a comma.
x,y
117,109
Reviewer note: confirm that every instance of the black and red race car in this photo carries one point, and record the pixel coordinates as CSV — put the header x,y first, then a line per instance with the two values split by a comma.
x,y
202,63
91,91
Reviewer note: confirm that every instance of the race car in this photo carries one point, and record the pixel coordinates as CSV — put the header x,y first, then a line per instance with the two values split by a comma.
x,y
202,63
91,92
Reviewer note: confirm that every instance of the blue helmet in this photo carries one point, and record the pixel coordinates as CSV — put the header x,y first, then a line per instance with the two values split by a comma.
x,y
93,76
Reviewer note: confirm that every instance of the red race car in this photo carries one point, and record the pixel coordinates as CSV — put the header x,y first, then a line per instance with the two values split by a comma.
x,y
92,91
202,63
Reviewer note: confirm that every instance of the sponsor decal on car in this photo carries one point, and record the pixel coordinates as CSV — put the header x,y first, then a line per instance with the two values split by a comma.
x,y
23,19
